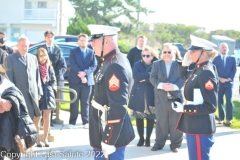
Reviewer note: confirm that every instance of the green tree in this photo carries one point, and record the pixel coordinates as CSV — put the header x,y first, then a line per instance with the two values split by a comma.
x,y
110,12
77,25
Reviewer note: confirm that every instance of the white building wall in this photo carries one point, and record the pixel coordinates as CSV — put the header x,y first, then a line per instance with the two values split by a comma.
x,y
14,17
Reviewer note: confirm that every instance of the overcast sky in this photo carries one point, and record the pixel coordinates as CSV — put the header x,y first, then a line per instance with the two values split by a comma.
x,y
211,14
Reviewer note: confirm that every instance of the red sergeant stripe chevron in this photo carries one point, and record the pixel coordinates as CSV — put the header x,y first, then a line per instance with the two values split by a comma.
x,y
114,83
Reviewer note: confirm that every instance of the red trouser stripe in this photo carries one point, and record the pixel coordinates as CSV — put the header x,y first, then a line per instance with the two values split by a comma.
x,y
198,143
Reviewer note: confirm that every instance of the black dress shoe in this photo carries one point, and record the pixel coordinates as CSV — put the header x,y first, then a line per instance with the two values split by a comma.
x,y
46,145
140,142
154,148
147,142
39,145
175,150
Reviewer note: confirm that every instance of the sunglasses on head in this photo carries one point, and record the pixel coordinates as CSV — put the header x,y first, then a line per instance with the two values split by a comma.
x,y
169,52
147,56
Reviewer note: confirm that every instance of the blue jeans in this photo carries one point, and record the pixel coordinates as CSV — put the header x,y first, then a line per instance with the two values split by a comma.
x,y
117,155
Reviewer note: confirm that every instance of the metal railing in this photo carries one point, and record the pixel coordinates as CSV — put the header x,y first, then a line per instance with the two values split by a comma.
x,y
63,89
58,101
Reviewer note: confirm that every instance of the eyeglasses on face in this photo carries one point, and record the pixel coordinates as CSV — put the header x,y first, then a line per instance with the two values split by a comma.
x,y
147,56
165,52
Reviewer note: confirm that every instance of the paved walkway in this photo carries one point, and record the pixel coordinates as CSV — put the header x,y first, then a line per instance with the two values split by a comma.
x,y
73,144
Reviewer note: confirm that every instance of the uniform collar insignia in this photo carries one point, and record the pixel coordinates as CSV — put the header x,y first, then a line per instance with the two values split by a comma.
x,y
106,57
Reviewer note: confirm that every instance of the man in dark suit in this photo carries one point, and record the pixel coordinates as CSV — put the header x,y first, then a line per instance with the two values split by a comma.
x,y
226,69
55,55
58,61
82,63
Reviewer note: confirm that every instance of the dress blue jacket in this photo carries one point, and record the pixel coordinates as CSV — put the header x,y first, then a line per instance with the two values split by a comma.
x,y
228,71
77,63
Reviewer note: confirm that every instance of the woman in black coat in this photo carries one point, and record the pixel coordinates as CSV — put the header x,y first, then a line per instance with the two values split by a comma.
x,y
142,95
49,87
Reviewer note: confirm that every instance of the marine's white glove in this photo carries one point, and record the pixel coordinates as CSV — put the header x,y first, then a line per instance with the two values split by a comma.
x,y
177,106
107,149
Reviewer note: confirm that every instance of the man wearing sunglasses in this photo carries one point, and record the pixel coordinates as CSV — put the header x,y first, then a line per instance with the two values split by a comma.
x,y
110,135
167,83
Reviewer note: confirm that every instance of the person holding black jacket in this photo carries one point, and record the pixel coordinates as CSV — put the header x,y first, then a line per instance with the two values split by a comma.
x,y
13,111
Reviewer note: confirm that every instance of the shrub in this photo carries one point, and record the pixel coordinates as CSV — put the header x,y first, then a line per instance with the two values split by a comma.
x,y
123,46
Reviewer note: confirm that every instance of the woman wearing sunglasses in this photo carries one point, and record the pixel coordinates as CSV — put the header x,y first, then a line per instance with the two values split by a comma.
x,y
167,84
142,95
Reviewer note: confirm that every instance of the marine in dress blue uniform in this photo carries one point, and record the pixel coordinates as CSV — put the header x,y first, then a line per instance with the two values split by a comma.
x,y
200,91
112,86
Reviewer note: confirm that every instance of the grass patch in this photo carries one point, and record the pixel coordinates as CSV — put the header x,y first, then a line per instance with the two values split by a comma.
x,y
236,114
235,121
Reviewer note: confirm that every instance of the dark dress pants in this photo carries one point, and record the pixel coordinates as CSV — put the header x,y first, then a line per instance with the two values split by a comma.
x,y
227,91
83,94
167,120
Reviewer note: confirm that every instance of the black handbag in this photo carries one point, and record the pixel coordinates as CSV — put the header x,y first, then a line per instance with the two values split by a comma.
x,y
27,130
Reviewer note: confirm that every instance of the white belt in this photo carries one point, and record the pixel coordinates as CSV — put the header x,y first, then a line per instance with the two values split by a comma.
x,y
104,110
99,106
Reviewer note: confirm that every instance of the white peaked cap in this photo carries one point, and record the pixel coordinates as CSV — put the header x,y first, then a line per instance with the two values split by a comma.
x,y
98,31
199,43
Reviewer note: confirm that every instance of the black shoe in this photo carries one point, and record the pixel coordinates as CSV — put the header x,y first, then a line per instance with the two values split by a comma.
x,y
147,142
154,148
227,123
175,150
140,142
39,145
46,145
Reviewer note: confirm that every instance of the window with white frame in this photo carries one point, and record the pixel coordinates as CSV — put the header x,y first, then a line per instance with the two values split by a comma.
x,y
28,4
42,4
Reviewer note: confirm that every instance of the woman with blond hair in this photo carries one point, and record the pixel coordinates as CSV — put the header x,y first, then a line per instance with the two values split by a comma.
x,y
167,84
142,95
200,91
49,87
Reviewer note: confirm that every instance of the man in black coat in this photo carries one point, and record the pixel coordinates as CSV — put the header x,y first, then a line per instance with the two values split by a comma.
x,y
135,53
3,39
3,55
112,86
